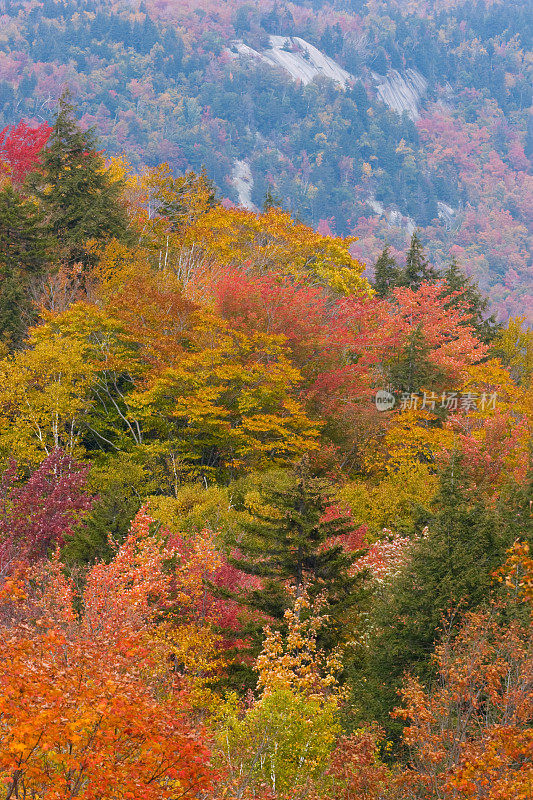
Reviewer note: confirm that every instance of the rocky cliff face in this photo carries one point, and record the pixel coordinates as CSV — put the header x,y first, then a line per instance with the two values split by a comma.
x,y
402,91
303,61
298,58
394,217
244,183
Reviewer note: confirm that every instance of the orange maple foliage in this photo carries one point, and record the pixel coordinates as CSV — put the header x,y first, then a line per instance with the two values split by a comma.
x,y
85,708
470,736
518,571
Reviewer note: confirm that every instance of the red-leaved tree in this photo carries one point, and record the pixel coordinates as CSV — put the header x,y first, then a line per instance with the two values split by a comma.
x,y
41,512
20,146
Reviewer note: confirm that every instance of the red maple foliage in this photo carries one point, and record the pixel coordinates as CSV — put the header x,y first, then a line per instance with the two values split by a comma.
x,y
20,147
278,306
42,511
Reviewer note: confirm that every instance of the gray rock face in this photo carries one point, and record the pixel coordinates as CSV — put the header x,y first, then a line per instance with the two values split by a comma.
x,y
447,214
402,91
244,183
298,58
395,219
303,61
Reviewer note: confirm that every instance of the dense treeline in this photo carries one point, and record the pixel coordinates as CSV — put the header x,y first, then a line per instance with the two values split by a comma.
x,y
265,526
164,85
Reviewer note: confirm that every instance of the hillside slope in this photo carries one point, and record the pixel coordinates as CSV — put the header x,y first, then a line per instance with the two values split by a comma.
x,y
370,120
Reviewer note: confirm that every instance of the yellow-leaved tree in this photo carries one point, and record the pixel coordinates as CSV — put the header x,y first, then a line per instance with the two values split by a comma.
x,y
153,374
275,241
285,738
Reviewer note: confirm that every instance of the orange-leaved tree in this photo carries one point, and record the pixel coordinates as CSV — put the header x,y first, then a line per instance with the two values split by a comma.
x,y
86,707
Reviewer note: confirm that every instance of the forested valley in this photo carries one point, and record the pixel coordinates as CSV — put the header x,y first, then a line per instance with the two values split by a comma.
x,y
265,527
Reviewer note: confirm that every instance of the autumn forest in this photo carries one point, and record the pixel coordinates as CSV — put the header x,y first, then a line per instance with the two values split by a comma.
x,y
265,486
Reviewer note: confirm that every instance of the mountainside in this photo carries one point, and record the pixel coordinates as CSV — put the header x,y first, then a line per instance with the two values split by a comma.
x,y
265,527
363,118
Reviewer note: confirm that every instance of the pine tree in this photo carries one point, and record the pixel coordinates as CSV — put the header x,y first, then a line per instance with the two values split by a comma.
x,y
293,541
25,252
79,199
471,298
418,270
387,274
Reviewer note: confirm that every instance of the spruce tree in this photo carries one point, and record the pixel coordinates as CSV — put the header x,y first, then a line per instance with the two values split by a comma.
x,y
387,274
417,270
413,371
121,484
472,300
110,517
13,309
25,253
292,541
449,571
271,201
79,199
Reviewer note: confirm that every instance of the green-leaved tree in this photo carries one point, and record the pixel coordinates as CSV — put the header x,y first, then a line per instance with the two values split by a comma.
x,y
24,255
417,270
387,274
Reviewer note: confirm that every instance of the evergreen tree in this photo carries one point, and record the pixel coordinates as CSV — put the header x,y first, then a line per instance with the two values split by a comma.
x,y
449,571
387,274
121,485
515,508
79,199
271,201
111,516
413,371
293,541
13,309
418,270
470,298
24,254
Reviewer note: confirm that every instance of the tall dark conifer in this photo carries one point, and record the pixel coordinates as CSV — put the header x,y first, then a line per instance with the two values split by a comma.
x,y
450,571
79,199
418,270
24,254
413,371
387,274
472,300
271,201
292,541
13,309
